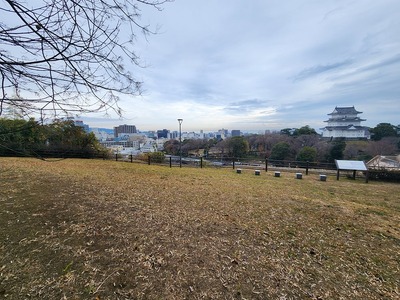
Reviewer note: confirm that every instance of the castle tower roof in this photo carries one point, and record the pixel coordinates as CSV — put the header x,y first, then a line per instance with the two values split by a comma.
x,y
345,111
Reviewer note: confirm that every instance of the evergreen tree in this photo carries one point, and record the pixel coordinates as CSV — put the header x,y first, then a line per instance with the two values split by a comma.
x,y
238,146
305,130
337,150
383,130
307,154
61,138
280,151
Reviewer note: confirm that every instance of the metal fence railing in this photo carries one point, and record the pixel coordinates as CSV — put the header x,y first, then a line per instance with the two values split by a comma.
x,y
230,162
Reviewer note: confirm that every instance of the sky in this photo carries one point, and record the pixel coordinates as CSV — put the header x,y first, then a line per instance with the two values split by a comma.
x,y
265,65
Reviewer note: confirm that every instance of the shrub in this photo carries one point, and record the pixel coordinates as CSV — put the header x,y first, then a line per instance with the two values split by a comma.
x,y
155,157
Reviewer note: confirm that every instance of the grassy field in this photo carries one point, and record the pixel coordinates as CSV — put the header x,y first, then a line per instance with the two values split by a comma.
x,y
92,229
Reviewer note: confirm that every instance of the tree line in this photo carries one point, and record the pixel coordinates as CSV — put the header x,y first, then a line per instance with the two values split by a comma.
x,y
301,144
61,138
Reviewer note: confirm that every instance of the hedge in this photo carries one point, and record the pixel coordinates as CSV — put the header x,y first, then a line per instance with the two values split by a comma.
x,y
385,175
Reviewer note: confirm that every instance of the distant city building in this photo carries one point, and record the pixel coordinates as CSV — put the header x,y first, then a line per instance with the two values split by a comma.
x,y
80,123
202,134
162,133
124,143
190,135
210,135
224,131
235,133
222,134
173,135
345,123
150,134
124,129
102,134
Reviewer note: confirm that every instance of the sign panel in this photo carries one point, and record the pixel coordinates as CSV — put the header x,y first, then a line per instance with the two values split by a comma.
x,y
353,165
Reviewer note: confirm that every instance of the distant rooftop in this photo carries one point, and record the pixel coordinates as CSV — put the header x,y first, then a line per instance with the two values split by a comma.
x,y
345,119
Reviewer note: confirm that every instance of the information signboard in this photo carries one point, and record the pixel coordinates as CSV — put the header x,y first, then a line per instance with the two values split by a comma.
x,y
351,165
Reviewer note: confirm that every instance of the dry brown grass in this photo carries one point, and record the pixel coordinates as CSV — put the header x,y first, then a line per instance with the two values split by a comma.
x,y
86,229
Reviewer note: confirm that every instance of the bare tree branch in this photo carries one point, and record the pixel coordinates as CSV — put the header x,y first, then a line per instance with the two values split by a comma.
x,y
61,56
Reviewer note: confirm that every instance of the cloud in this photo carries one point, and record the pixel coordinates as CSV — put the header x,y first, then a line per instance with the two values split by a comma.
x,y
268,64
245,106
316,70
394,60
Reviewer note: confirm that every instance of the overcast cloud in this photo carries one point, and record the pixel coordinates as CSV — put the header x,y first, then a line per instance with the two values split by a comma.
x,y
257,65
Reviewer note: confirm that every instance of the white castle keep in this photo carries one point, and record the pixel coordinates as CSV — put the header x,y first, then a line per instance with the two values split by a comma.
x,y
344,122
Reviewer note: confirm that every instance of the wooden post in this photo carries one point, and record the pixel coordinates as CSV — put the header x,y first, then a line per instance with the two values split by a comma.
x,y
266,165
233,163
131,157
201,162
149,159
307,167
116,157
337,174
170,161
354,174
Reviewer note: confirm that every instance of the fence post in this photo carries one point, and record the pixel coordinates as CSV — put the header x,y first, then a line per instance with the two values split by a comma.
x,y
131,157
170,161
116,157
233,163
307,167
201,162
149,159
266,165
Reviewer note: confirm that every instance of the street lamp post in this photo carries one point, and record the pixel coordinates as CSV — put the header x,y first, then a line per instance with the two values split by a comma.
x,y
180,142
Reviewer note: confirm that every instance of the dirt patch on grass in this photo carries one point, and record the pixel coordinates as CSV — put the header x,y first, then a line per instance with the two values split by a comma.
x,y
83,229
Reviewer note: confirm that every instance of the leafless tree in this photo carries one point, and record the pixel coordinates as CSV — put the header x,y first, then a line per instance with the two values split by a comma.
x,y
385,146
69,57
